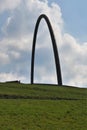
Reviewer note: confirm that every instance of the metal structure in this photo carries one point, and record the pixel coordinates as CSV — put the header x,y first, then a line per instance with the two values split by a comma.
x,y
56,56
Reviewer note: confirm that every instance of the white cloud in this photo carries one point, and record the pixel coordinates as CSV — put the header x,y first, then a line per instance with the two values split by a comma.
x,y
43,75
19,43
18,35
4,58
10,77
8,4
15,54
74,62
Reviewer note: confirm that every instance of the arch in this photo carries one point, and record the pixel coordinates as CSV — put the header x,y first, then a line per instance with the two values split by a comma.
x,y
56,56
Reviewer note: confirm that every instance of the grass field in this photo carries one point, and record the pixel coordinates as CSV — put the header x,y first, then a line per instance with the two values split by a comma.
x,y
42,107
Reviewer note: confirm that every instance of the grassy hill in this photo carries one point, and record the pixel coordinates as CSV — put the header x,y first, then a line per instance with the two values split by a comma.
x,y
18,90
42,107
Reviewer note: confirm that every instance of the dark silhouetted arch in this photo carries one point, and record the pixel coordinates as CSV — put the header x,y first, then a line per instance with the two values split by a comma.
x,y
56,56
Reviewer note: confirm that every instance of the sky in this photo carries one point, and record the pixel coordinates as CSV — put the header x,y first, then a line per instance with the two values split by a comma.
x,y
69,22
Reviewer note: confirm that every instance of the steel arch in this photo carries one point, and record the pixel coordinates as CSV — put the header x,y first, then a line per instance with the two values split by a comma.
x,y
56,56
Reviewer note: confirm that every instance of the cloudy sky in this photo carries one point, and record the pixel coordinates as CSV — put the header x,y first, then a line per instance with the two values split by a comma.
x,y
17,23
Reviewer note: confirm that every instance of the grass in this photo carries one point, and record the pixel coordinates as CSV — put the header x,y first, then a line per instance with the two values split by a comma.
x,y
45,107
42,91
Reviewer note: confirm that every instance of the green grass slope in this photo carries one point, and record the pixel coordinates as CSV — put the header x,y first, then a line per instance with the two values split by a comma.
x,y
17,90
42,107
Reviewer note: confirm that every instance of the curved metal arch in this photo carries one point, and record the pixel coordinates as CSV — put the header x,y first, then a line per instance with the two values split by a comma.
x,y
56,56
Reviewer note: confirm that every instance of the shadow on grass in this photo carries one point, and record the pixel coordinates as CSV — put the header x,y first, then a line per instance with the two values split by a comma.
x,y
6,96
